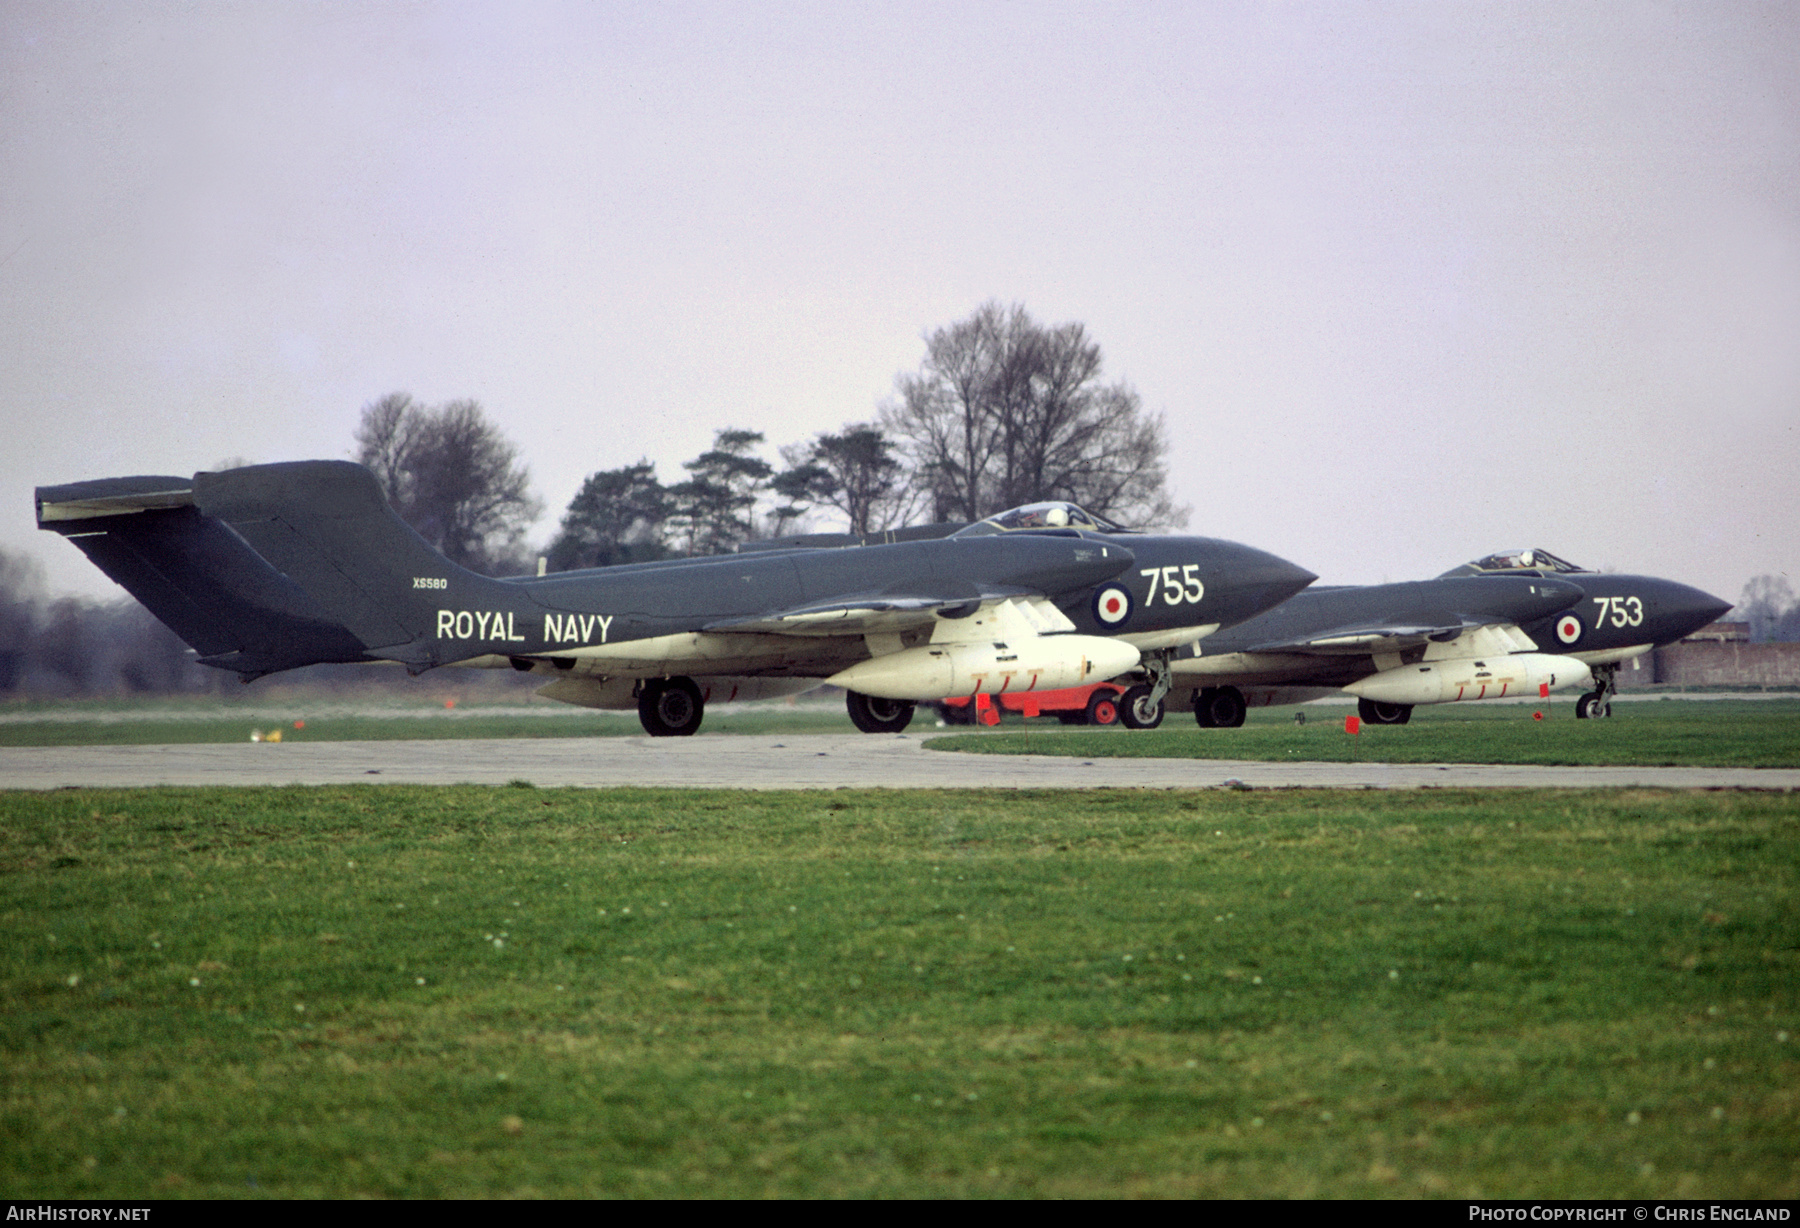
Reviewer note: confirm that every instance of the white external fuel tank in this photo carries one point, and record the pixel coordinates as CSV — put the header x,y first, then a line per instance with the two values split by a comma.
x,y
1443,682
1013,646
1040,663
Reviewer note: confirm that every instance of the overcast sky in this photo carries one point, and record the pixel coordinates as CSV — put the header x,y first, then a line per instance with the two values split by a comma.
x,y
1408,282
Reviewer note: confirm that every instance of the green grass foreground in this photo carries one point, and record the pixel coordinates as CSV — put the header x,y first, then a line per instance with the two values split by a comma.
x,y
216,727
1676,733
421,992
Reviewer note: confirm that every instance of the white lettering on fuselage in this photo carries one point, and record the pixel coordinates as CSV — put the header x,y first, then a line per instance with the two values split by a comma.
x,y
476,625
1620,611
575,628
1179,584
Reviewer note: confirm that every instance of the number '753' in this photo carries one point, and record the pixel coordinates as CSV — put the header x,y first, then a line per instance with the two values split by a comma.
x,y
1620,611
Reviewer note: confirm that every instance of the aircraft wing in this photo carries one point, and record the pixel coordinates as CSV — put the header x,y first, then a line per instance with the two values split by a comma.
x,y
871,615
1467,637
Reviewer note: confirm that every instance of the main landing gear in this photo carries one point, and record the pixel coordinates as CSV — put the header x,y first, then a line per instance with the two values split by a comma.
x,y
1219,707
1597,703
873,714
1374,713
670,707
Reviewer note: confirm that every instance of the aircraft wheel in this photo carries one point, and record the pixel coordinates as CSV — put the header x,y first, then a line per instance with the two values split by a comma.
x,y
872,714
1203,706
1374,713
1219,707
1593,706
1103,708
1136,710
670,707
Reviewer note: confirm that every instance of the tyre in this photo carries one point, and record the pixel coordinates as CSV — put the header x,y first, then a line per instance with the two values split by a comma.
x,y
956,714
1592,706
1203,706
1136,710
1103,708
872,714
1072,718
1374,713
1219,707
670,707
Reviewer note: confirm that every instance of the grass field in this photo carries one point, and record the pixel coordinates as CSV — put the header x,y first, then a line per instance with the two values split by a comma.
x,y
1690,733
416,992
327,721
1680,732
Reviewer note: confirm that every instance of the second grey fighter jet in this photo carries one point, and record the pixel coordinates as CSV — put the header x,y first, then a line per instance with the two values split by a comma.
x,y
1506,625
270,567
1619,617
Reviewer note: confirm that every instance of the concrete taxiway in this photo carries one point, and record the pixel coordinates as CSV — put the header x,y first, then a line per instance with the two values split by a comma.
x,y
807,761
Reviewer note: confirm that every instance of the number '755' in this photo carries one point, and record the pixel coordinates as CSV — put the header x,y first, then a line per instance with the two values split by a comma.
x,y
1179,584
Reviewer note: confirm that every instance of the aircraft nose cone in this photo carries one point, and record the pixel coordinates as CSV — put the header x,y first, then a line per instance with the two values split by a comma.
x,y
1685,609
1251,581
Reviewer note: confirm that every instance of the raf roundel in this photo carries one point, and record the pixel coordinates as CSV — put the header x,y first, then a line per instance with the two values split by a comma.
x,y
1568,628
1112,605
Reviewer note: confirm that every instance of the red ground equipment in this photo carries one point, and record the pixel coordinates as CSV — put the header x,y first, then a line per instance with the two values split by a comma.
x,y
1081,705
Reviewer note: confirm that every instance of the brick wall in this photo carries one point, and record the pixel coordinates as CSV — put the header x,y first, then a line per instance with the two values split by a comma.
x,y
1715,664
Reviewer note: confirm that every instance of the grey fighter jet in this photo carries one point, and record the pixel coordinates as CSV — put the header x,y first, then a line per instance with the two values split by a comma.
x,y
1509,624
271,567
1618,618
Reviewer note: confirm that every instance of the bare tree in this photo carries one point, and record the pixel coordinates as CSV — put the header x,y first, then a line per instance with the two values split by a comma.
x,y
21,605
1004,411
384,441
1769,606
453,476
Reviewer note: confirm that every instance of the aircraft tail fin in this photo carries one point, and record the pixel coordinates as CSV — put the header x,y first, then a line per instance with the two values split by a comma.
x,y
201,579
267,567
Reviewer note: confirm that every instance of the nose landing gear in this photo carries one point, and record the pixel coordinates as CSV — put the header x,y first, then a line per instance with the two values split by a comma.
x,y
1597,703
1141,706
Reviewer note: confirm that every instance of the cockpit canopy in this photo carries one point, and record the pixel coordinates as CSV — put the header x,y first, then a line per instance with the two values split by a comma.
x,y
1518,562
1049,517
